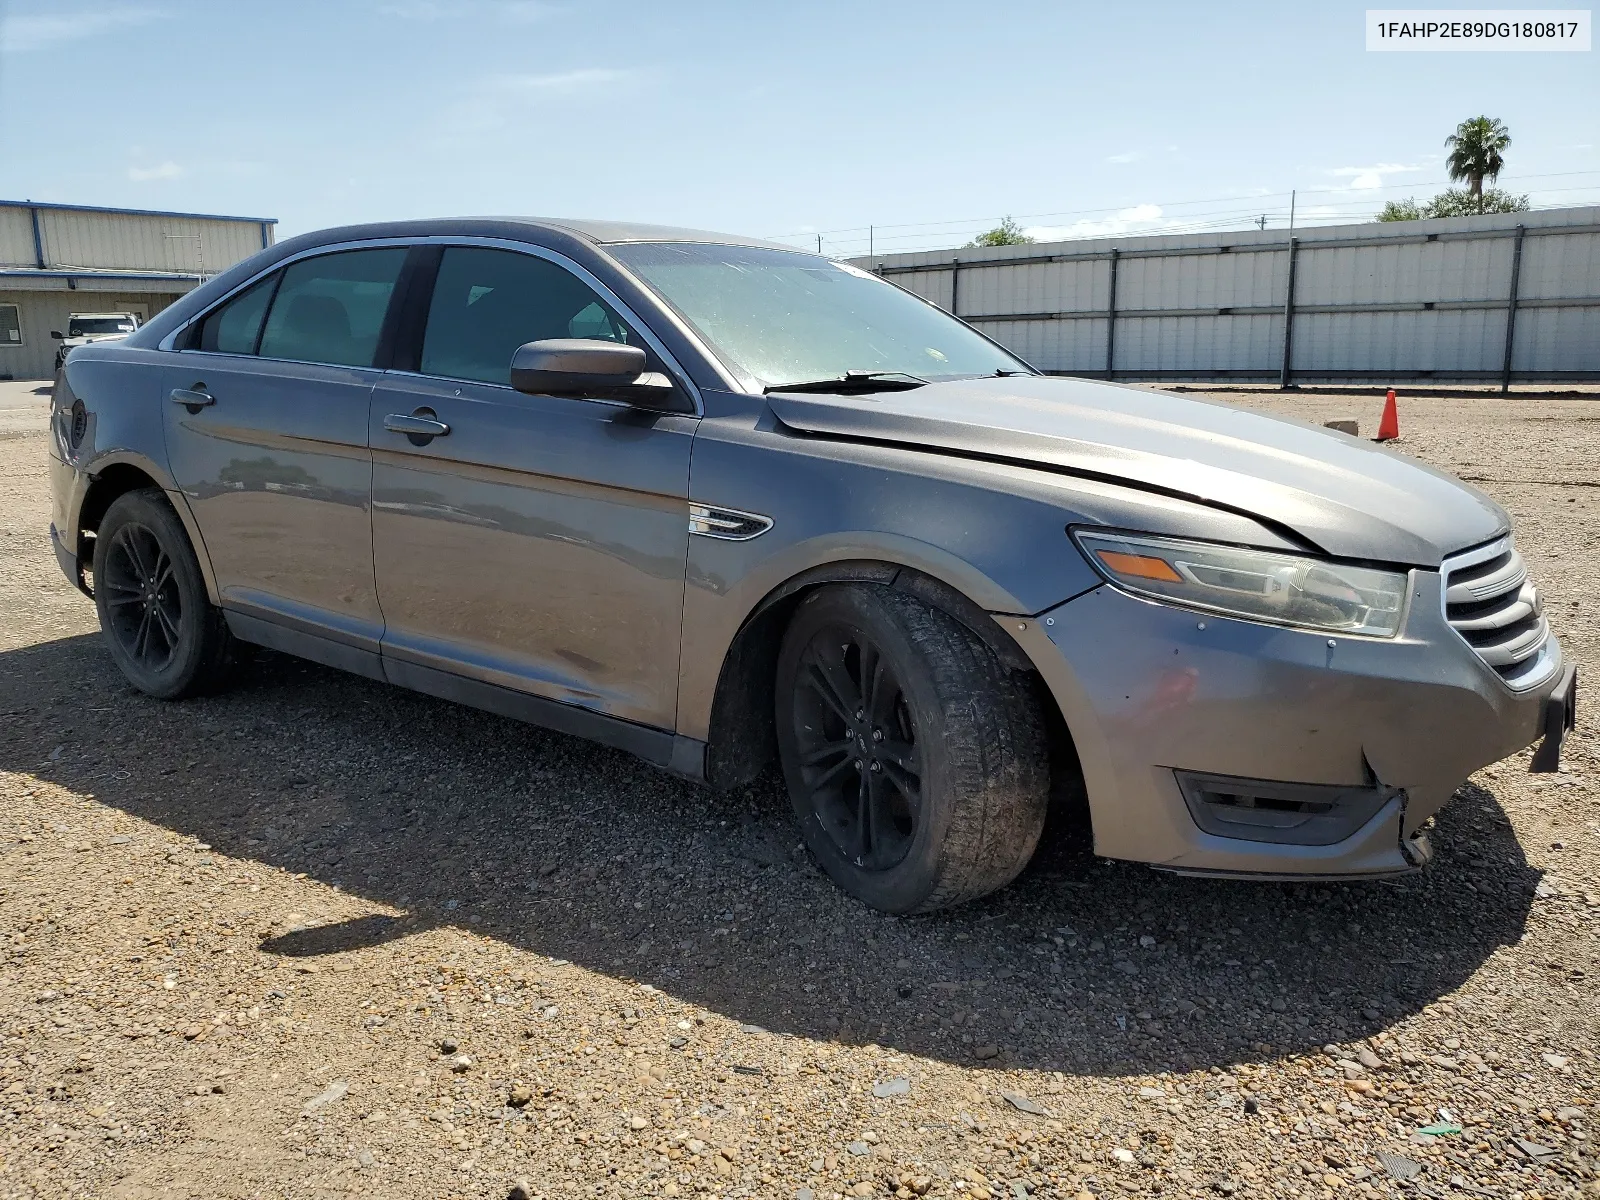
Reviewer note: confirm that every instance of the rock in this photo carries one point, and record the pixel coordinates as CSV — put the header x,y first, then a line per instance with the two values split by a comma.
x,y
985,1052
1555,1060
637,1123
1126,1157
892,1087
1022,1104
461,1064
805,1194
1566,1115
521,1094
366,1159
1252,1105
334,1091
1126,966
521,1189
858,1149
1152,1093
447,1046
1537,1152
903,991
1369,1060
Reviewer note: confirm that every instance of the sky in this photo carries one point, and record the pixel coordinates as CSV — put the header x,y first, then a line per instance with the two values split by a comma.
x,y
928,121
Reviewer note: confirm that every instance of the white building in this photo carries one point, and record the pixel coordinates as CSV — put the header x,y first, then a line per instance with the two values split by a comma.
x,y
60,259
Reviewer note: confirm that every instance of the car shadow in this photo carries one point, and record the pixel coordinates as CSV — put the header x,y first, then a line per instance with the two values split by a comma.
x,y
578,852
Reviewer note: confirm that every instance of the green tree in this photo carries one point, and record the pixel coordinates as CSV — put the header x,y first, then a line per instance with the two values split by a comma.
x,y
1007,233
1401,210
1477,153
1457,202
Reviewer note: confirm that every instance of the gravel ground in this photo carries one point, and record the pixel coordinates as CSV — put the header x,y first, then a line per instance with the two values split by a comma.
x,y
320,937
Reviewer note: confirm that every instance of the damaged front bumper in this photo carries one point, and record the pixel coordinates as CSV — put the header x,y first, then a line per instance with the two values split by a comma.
x,y
1212,745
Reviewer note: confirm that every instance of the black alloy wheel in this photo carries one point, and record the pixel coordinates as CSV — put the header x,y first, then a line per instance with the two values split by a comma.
x,y
857,746
916,761
159,624
142,597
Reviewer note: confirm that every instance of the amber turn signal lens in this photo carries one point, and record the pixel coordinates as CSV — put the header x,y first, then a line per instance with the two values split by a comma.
x,y
1138,565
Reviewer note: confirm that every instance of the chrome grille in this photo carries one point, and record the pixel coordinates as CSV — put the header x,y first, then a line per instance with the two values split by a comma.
x,y
1489,601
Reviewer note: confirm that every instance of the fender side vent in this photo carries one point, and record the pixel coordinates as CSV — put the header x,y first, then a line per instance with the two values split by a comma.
x,y
729,524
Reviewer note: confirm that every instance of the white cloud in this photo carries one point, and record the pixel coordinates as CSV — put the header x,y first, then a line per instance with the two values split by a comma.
x,y
20,35
516,11
1126,157
1364,179
557,83
165,170
1141,218
492,104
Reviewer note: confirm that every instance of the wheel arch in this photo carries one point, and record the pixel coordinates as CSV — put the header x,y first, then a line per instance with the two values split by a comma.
x,y
115,475
741,737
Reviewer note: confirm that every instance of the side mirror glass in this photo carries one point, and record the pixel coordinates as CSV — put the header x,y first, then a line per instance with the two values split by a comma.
x,y
56,333
590,368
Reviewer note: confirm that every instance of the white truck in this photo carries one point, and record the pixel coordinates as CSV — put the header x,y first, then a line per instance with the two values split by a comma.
x,y
83,328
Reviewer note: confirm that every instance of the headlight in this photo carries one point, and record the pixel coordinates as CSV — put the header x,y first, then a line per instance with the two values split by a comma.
x,y
1259,585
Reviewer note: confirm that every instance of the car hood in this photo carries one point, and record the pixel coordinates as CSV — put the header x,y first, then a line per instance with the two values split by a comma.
x,y
1348,497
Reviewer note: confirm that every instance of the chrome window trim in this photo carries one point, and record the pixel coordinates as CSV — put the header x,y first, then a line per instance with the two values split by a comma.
x,y
1537,669
680,376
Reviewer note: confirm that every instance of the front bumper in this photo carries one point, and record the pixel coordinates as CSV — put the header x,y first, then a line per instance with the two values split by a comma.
x,y
1150,691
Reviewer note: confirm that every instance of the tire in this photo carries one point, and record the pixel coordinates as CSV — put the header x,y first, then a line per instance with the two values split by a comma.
x,y
949,748
160,626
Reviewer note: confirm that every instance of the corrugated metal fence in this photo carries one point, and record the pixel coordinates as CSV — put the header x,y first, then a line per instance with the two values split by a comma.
x,y
1503,298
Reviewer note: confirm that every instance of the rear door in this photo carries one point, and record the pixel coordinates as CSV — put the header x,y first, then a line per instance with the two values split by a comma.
x,y
266,422
539,543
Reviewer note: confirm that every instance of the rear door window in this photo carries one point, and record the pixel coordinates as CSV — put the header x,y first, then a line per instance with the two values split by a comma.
x,y
330,309
486,303
234,327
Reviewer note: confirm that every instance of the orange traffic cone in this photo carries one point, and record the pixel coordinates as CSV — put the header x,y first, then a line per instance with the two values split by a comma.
x,y
1389,426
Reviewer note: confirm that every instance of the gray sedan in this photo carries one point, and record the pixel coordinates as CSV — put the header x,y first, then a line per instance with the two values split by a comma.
x,y
724,504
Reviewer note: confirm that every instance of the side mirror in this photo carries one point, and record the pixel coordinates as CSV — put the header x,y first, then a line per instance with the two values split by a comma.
x,y
590,369
56,333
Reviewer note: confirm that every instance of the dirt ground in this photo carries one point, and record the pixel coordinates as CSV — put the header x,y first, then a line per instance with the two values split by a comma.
x,y
321,937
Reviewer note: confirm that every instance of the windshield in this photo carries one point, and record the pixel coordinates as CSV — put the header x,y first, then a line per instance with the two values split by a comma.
x,y
82,326
780,316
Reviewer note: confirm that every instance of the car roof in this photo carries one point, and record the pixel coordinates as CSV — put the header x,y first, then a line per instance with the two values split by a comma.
x,y
600,233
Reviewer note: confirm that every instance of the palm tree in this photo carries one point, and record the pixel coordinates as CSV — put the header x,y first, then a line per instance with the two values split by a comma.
x,y
1475,154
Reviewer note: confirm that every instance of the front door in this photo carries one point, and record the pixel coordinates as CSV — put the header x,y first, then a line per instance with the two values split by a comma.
x,y
539,544
267,437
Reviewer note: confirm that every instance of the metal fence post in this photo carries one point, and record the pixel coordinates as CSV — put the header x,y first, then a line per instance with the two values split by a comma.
x,y
1111,317
1286,374
1511,310
955,285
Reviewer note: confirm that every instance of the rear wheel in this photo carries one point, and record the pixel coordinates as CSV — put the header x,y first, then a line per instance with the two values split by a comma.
x,y
916,762
161,628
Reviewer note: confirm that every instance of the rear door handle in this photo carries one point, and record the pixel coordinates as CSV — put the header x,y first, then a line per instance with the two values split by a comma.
x,y
192,398
413,426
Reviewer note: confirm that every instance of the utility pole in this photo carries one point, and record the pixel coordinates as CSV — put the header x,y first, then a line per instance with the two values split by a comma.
x,y
872,241
819,243
1261,221
1291,213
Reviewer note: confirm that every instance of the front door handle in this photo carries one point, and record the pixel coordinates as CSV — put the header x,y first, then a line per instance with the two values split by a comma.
x,y
416,425
194,399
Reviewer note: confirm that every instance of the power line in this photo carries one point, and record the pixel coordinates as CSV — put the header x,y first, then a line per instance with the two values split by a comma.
x,y
876,232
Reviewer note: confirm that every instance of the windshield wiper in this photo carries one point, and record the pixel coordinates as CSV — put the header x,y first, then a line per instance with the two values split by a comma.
x,y
854,383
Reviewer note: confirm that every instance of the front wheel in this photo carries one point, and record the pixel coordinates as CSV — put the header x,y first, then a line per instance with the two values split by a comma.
x,y
916,762
159,624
